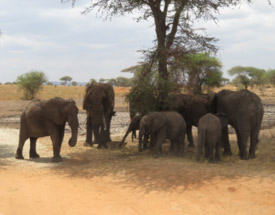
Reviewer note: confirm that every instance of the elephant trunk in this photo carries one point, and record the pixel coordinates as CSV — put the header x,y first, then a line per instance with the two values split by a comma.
x,y
122,144
73,123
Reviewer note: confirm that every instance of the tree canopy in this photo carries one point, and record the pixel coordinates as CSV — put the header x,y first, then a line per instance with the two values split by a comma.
x,y
65,79
31,83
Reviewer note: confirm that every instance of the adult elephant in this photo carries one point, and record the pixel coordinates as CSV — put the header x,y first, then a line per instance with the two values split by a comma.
x,y
47,118
192,108
161,126
244,111
99,103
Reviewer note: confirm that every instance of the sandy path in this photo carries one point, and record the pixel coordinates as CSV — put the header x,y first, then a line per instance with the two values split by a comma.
x,y
41,187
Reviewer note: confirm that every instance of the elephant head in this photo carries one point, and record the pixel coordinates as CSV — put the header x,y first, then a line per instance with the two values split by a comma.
x,y
150,124
59,111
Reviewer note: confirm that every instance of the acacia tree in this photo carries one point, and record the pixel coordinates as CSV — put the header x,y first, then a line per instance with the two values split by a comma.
x,y
65,79
174,25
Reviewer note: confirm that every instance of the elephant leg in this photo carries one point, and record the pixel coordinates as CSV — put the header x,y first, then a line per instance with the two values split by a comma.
x,y
55,137
146,141
242,143
19,151
174,147
101,133
108,126
254,139
89,132
211,158
160,138
225,141
206,150
217,151
190,136
33,153
181,145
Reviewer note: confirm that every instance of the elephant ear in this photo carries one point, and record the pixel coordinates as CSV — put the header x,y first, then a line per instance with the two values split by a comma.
x,y
156,121
51,110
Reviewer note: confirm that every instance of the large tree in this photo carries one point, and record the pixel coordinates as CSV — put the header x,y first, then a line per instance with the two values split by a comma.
x,y
174,26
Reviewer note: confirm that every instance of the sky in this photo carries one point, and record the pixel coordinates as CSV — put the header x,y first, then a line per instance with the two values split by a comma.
x,y
57,39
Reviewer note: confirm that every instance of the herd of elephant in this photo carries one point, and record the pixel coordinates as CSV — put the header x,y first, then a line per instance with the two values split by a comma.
x,y
212,114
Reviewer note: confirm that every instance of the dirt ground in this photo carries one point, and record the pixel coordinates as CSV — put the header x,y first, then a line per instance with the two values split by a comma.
x,y
112,181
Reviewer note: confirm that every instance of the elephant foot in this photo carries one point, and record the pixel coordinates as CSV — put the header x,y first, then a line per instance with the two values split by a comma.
x,y
191,145
88,144
19,157
227,153
34,155
243,157
100,146
57,159
252,156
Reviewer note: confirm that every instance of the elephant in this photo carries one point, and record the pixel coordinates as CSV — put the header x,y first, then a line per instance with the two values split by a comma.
x,y
161,126
209,137
47,118
99,101
191,107
133,126
244,111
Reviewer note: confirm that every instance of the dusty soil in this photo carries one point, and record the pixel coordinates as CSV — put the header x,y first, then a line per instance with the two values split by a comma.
x,y
111,181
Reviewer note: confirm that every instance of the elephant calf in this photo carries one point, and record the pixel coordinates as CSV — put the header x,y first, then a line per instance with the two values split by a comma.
x,y
161,126
209,137
47,118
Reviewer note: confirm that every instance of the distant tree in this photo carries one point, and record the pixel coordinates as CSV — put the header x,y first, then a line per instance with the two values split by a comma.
x,y
65,79
112,81
123,82
102,80
247,76
92,80
270,77
49,83
74,83
31,83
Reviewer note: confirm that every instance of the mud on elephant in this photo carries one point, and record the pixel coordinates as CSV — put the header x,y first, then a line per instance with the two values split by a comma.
x,y
161,126
244,110
99,103
47,118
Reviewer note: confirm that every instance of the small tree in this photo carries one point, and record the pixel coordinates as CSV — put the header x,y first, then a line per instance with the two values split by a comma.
x,y
65,79
248,76
31,83
92,80
270,77
74,83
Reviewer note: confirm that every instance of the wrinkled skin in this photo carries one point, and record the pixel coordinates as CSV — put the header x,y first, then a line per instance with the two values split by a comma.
x,y
99,104
192,108
209,137
133,126
161,126
47,118
244,110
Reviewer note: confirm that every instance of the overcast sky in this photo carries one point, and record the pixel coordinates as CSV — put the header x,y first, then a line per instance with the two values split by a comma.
x,y
56,39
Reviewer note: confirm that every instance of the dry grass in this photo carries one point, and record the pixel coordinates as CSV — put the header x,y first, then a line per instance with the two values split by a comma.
x,y
11,92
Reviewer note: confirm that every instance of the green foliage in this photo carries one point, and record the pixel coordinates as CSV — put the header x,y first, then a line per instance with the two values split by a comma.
x,y
248,76
31,83
92,80
270,77
147,87
74,83
102,80
65,79
202,70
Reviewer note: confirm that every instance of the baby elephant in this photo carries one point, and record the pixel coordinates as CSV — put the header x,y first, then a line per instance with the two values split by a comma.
x,y
47,118
209,137
161,126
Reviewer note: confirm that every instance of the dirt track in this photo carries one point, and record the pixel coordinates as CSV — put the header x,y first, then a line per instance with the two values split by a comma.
x,y
92,181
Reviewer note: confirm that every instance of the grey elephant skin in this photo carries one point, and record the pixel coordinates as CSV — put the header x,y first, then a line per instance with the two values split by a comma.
x,y
192,108
161,126
209,137
99,101
47,118
244,110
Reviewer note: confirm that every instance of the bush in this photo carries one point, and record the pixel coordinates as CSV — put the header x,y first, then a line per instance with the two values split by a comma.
x,y
31,83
